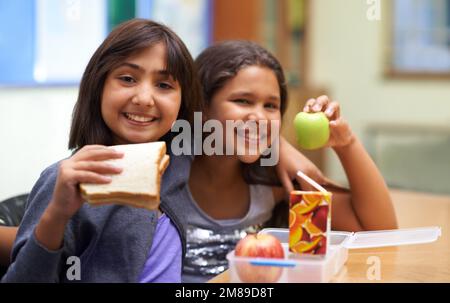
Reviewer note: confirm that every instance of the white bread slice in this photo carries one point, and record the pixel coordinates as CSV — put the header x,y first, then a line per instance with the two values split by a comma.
x,y
139,183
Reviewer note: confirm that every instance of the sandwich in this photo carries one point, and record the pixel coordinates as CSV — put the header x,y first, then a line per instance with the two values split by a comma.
x,y
138,184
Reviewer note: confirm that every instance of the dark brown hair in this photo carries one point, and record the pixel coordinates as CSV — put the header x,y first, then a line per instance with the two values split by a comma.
x,y
222,61
124,41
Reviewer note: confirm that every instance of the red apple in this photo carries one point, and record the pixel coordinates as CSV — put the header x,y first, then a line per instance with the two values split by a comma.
x,y
259,246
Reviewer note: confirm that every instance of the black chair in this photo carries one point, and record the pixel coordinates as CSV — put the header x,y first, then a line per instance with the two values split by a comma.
x,y
11,213
12,209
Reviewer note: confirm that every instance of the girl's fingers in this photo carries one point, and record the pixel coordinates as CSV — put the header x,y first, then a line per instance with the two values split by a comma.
x,y
93,146
89,177
321,103
99,155
316,105
342,134
337,123
308,105
333,111
305,186
86,150
286,182
97,166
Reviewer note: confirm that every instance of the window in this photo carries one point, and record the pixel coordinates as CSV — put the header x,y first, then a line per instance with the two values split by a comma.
x,y
49,42
420,37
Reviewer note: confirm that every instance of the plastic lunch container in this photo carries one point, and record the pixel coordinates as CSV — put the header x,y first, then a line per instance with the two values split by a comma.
x,y
296,269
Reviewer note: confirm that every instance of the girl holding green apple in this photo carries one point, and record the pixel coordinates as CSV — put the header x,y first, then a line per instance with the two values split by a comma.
x,y
369,206
243,81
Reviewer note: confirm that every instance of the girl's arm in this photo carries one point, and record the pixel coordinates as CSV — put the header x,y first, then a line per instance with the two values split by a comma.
x,y
290,161
55,198
7,237
369,206
370,197
85,166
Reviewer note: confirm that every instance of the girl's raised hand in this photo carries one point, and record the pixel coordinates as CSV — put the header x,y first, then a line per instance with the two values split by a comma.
x,y
340,132
85,166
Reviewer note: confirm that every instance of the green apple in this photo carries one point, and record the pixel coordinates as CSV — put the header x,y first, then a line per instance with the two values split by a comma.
x,y
313,130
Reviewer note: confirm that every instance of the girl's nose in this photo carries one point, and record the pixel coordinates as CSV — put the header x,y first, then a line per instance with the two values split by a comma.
x,y
144,97
257,114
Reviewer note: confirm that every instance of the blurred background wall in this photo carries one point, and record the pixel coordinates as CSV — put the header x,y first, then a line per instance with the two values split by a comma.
x,y
349,57
347,49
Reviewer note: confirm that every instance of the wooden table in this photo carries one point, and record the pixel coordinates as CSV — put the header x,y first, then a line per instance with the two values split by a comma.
x,y
413,263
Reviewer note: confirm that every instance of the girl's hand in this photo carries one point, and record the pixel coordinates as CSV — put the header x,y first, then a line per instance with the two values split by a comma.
x,y
291,160
85,166
340,132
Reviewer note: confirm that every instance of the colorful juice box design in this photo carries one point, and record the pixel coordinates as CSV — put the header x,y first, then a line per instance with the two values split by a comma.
x,y
309,222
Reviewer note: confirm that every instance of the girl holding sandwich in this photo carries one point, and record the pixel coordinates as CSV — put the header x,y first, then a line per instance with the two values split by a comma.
x,y
137,83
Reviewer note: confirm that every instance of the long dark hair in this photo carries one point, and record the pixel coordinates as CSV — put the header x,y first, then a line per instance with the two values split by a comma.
x,y
124,41
222,61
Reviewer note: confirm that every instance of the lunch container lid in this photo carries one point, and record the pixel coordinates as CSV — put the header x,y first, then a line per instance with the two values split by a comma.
x,y
371,239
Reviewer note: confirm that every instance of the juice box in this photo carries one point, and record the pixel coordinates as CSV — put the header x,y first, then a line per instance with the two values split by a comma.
x,y
309,222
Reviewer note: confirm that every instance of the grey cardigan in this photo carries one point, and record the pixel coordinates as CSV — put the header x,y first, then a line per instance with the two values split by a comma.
x,y
112,242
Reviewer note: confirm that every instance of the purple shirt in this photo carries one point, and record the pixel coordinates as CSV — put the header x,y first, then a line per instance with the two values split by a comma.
x,y
164,261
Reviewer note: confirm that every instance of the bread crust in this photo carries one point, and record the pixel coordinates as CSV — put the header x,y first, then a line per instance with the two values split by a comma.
x,y
140,201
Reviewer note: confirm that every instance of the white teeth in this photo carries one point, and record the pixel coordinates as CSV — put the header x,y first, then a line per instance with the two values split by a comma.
x,y
251,137
138,118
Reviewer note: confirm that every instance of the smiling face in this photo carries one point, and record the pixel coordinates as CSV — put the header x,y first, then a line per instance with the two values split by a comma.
x,y
252,95
140,100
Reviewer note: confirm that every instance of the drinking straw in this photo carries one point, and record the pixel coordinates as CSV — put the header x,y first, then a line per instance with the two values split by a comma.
x,y
311,181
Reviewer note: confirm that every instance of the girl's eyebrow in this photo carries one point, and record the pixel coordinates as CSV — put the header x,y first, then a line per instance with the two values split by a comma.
x,y
132,65
251,95
242,94
162,72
